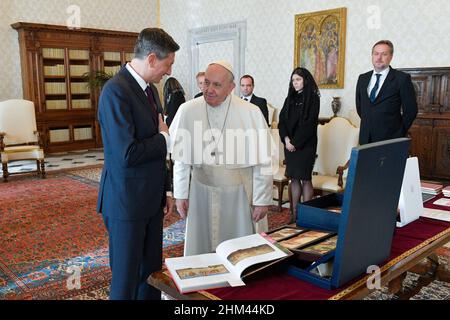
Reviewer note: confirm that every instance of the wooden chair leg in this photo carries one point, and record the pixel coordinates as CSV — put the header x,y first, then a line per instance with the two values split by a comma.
x,y
5,171
395,285
291,205
38,165
280,196
42,168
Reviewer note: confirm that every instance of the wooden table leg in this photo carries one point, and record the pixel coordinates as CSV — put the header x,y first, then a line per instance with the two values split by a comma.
x,y
396,285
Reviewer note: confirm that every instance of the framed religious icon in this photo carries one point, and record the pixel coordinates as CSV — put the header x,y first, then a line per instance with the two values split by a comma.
x,y
320,45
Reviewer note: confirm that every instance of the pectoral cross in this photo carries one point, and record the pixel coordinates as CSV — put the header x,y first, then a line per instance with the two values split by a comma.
x,y
215,153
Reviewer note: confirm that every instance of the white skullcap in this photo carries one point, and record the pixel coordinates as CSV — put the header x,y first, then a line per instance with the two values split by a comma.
x,y
224,64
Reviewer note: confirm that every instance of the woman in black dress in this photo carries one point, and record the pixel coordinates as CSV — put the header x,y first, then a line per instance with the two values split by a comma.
x,y
173,97
298,122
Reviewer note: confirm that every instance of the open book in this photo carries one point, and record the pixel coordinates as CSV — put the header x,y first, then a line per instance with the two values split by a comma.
x,y
232,260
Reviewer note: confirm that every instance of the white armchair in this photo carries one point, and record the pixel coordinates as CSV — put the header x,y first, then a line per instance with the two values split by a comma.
x,y
354,118
19,139
335,142
279,179
271,111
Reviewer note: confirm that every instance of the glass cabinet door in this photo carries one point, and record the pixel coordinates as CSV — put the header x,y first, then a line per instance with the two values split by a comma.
x,y
54,69
79,65
111,62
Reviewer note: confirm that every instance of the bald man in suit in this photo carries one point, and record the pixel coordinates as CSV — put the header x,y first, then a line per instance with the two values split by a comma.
x,y
247,84
200,77
385,98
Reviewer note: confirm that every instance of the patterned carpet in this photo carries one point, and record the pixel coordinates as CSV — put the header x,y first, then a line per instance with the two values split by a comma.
x,y
50,230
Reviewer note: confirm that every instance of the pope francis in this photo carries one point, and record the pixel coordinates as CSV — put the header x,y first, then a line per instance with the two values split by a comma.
x,y
222,151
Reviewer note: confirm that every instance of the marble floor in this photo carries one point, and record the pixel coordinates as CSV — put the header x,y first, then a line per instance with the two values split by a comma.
x,y
59,161
85,158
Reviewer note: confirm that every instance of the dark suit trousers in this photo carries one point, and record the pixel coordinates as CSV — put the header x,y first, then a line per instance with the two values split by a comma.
x,y
135,251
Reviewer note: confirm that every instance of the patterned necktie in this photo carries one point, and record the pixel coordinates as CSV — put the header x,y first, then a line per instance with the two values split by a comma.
x,y
149,93
373,93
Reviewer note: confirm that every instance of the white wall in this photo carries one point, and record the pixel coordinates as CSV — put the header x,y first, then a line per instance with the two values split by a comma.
x,y
130,15
418,29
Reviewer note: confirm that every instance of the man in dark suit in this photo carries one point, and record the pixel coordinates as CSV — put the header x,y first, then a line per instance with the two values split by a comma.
x,y
385,98
132,195
247,86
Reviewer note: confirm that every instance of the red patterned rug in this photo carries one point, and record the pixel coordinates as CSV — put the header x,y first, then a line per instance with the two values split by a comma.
x,y
50,231
51,234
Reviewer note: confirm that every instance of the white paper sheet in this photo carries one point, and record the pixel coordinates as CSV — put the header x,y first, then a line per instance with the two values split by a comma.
x,y
436,214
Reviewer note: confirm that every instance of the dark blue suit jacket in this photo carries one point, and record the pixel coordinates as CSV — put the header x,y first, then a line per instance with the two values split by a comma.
x,y
393,111
134,177
262,104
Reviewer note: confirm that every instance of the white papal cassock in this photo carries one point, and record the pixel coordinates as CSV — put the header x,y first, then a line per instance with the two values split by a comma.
x,y
222,164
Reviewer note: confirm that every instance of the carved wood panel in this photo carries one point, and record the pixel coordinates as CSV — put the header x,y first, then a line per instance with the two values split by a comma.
x,y
422,144
442,137
430,131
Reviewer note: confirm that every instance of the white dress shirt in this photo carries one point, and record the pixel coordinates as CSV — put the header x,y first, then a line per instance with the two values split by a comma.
x,y
373,80
144,85
248,97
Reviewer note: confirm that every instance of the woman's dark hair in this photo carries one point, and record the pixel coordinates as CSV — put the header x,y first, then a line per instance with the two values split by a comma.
x,y
310,89
170,87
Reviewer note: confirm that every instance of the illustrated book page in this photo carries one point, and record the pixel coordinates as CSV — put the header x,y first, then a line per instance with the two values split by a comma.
x,y
225,266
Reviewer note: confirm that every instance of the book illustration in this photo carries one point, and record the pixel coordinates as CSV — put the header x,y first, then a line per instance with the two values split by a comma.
x,y
188,273
303,239
233,260
284,233
241,254
322,247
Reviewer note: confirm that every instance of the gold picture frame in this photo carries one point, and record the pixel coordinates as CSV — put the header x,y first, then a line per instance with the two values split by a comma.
x,y
320,45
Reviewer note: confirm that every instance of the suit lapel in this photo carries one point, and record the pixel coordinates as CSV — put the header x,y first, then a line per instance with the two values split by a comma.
x,y
390,77
141,94
365,83
134,85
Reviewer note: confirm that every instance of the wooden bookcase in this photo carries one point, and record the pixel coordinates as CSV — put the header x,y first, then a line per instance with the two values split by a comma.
x,y
53,60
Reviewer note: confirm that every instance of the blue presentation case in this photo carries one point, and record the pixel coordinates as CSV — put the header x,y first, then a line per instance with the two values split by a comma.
x,y
366,224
